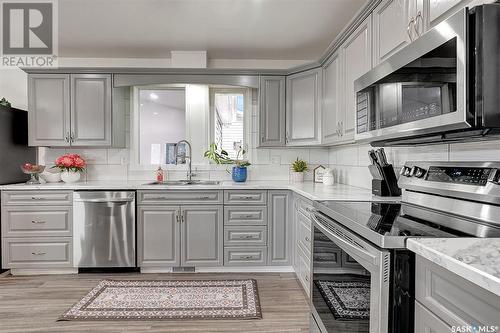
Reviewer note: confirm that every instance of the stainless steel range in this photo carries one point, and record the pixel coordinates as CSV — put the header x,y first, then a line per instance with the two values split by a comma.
x,y
363,275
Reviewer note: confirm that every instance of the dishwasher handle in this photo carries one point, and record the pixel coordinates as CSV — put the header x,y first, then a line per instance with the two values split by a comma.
x,y
124,200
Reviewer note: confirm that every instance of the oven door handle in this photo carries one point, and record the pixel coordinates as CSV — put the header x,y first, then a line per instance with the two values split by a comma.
x,y
363,254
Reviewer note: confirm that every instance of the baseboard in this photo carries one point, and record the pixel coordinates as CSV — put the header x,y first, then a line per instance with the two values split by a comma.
x,y
47,271
223,269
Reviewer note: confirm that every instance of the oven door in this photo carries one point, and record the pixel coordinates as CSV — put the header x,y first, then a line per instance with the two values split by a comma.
x,y
351,280
420,90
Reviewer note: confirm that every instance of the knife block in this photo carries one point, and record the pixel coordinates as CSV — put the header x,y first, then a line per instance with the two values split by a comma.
x,y
388,185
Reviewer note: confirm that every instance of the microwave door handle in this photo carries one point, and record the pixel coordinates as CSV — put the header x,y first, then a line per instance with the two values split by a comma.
x,y
365,255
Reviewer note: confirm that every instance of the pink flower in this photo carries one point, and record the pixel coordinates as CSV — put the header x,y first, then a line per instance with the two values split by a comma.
x,y
79,162
67,161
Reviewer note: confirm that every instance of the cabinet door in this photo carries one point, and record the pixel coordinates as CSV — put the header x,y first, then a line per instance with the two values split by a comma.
x,y
357,59
272,111
438,10
279,229
303,108
391,20
49,105
427,322
91,110
202,236
332,111
158,236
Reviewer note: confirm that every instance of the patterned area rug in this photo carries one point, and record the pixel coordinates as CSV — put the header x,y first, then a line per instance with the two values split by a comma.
x,y
161,300
348,300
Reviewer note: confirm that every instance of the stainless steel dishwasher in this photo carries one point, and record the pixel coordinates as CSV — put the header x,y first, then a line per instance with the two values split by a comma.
x,y
104,229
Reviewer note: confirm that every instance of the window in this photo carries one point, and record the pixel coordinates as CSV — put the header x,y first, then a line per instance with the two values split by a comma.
x,y
228,119
162,123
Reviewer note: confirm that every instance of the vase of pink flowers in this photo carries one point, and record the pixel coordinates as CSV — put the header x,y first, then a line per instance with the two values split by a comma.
x,y
71,166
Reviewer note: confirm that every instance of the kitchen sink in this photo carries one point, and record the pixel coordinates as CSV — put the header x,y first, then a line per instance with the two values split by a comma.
x,y
186,182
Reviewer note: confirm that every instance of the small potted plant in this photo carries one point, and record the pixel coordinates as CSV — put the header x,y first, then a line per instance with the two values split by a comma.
x,y
239,172
71,165
299,167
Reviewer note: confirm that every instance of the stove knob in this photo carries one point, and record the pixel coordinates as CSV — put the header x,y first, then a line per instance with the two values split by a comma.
x,y
417,172
405,171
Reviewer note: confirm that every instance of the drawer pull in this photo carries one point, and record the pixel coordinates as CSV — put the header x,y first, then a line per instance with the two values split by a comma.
x,y
37,198
38,222
307,239
248,237
244,197
38,253
246,257
247,216
158,198
203,197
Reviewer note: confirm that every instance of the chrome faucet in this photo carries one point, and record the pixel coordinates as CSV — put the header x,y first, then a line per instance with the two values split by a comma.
x,y
186,156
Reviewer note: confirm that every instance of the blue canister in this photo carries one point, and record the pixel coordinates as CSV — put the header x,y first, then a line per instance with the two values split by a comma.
x,y
239,174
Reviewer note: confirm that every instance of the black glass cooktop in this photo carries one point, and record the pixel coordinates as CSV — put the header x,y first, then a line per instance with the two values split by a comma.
x,y
386,218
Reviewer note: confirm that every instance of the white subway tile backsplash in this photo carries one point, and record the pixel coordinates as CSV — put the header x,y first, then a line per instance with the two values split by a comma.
x,y
347,155
419,153
260,156
91,156
52,154
107,172
475,151
118,156
289,155
319,156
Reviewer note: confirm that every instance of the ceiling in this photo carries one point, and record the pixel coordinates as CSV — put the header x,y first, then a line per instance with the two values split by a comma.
x,y
227,29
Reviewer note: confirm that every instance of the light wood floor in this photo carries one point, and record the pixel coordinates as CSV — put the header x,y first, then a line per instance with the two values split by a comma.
x,y
33,304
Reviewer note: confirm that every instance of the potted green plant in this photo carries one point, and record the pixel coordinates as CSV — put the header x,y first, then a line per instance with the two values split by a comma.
x,y
299,167
239,170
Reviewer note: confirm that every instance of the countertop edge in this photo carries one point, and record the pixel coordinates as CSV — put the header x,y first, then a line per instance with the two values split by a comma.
x,y
468,272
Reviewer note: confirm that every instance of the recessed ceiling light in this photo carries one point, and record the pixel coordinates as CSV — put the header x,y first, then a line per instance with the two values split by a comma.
x,y
153,96
155,113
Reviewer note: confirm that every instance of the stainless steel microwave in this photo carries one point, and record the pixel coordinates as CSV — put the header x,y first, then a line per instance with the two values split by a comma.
x,y
444,86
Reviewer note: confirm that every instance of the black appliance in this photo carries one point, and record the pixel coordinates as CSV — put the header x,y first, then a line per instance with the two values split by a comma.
x,y
360,247
443,87
14,150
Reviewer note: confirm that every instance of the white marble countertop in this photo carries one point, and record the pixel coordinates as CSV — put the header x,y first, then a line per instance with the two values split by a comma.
x,y
312,191
474,259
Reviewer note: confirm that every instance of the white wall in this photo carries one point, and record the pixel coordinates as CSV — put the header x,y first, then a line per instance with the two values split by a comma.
x,y
350,162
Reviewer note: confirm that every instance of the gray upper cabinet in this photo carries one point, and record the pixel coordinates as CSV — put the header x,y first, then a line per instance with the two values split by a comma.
x,y
91,110
202,235
49,105
279,229
303,108
332,111
438,10
272,111
395,24
158,236
357,60
70,110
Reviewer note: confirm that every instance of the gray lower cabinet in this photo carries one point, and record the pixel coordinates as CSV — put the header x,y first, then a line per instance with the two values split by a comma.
x,y
173,235
245,256
158,236
451,299
272,111
427,322
37,230
201,235
279,228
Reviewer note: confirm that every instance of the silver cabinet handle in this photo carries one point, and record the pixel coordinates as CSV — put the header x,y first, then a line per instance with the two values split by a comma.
x,y
37,198
202,198
246,257
409,30
341,128
177,217
67,137
72,137
38,222
38,253
183,213
417,25
248,237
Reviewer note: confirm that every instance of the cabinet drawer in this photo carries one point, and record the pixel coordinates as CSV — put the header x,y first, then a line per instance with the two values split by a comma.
x,y
246,197
455,300
304,273
245,235
241,215
39,198
305,207
180,197
427,322
32,221
245,256
37,252
304,234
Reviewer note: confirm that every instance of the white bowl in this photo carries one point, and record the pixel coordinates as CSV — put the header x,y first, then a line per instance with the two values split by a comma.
x,y
51,175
